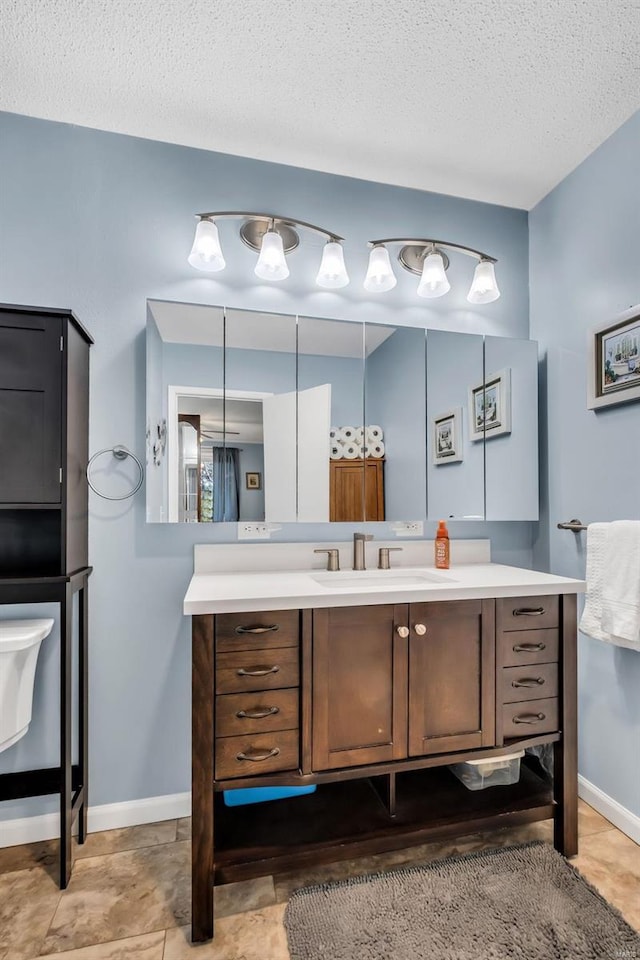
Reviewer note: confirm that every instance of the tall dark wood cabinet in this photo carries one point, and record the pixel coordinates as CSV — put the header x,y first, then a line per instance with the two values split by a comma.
x,y
44,450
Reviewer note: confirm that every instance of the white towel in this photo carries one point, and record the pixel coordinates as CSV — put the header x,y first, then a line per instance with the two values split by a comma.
x,y
621,584
610,574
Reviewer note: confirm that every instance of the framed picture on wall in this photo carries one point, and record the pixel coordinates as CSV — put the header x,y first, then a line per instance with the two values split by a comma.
x,y
446,437
614,361
253,481
490,406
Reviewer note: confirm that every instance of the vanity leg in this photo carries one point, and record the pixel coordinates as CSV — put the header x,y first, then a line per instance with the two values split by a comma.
x,y
565,754
202,746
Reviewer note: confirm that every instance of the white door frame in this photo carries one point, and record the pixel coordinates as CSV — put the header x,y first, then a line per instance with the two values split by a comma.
x,y
173,395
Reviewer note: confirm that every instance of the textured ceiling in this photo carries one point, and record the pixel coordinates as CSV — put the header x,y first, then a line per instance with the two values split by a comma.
x,y
497,101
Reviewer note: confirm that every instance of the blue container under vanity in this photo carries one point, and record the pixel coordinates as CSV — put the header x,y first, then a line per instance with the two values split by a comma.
x,y
237,798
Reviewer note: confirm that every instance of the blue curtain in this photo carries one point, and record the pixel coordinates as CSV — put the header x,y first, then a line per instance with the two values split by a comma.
x,y
226,491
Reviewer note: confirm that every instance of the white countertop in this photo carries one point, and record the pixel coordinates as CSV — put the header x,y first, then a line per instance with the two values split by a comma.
x,y
238,592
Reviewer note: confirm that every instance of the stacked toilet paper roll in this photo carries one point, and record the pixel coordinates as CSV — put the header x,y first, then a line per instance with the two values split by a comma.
x,y
375,450
352,443
351,451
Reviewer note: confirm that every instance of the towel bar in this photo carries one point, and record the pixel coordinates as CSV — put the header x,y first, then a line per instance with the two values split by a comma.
x,y
575,525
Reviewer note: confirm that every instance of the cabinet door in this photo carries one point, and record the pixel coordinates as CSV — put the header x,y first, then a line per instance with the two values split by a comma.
x,y
359,686
451,676
30,408
346,504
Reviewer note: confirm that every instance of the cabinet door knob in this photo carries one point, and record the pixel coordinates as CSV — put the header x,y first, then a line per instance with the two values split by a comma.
x,y
402,632
420,629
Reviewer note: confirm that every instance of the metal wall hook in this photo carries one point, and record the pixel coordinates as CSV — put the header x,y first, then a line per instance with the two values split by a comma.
x,y
120,452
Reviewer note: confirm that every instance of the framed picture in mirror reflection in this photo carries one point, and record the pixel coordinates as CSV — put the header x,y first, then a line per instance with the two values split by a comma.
x,y
253,481
446,438
490,406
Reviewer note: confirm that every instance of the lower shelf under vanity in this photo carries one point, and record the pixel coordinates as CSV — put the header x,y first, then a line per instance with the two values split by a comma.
x,y
348,819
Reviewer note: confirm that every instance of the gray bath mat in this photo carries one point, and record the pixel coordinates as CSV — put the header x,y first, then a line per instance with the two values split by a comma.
x,y
519,903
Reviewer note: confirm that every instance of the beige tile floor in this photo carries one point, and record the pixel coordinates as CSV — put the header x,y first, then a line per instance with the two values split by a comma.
x,y
129,894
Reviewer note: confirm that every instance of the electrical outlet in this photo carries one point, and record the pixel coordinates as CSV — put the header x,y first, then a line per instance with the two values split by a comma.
x,y
254,531
409,528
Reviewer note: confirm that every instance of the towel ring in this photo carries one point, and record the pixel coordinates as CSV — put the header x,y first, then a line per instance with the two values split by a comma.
x,y
120,452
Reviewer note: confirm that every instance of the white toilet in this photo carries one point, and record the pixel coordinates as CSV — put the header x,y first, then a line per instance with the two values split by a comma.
x,y
19,647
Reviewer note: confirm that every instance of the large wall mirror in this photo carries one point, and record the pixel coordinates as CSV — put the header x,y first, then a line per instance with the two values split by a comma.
x,y
256,416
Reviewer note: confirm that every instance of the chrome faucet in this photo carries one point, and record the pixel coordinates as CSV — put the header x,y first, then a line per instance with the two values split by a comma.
x,y
359,540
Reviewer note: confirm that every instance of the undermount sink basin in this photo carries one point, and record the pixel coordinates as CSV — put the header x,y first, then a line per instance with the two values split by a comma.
x,y
352,579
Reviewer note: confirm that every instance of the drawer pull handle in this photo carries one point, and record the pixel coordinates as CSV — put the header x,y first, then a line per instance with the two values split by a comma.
x,y
258,671
529,647
270,629
528,612
529,718
528,682
257,757
258,714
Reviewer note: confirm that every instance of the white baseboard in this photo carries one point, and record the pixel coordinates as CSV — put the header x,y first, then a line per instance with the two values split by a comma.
x,y
131,813
619,816
109,816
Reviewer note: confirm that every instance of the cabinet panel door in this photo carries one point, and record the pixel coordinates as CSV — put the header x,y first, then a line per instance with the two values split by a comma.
x,y
359,686
451,676
30,408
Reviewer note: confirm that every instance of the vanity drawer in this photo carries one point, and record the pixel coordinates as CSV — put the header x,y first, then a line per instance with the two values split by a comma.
x,y
536,682
535,646
241,713
257,753
529,718
257,670
257,631
528,613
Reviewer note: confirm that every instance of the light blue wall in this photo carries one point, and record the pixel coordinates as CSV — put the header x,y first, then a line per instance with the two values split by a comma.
x,y
100,222
584,271
395,399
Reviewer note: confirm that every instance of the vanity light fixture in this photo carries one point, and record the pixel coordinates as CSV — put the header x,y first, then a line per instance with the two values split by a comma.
x,y
273,238
428,260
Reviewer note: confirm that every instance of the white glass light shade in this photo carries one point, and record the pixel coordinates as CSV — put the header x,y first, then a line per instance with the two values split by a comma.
x,y
484,288
433,282
332,273
272,263
380,276
206,252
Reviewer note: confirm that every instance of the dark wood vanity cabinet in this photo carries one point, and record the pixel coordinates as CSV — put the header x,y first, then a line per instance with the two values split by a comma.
x,y
371,703
451,676
359,695
398,681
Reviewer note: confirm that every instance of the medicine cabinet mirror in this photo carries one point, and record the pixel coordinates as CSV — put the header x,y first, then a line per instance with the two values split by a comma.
x,y
258,416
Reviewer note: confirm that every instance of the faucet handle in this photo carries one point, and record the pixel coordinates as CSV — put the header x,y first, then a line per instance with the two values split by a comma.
x,y
383,557
333,558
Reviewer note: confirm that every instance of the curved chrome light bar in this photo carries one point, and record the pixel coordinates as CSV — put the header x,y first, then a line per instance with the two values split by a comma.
x,y
426,258
268,219
273,237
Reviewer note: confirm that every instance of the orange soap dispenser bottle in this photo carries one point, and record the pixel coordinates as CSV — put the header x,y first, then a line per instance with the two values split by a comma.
x,y
442,546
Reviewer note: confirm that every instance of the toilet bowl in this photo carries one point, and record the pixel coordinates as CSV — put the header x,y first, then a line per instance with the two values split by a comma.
x,y
19,647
